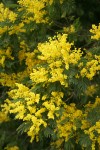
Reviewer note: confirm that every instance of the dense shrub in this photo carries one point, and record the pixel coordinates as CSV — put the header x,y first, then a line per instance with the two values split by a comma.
x,y
49,75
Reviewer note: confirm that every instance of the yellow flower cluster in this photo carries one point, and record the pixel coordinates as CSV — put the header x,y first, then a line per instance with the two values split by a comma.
x,y
3,29
15,29
39,75
91,90
92,67
12,148
34,11
69,29
7,79
4,112
91,132
96,32
4,54
26,108
6,14
58,55
30,61
67,126
10,79
94,105
3,117
75,56
23,54
35,8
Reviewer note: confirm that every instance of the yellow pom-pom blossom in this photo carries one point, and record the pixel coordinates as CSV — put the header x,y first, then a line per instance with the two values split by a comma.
x,y
34,10
30,107
91,69
96,32
6,14
58,56
39,75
